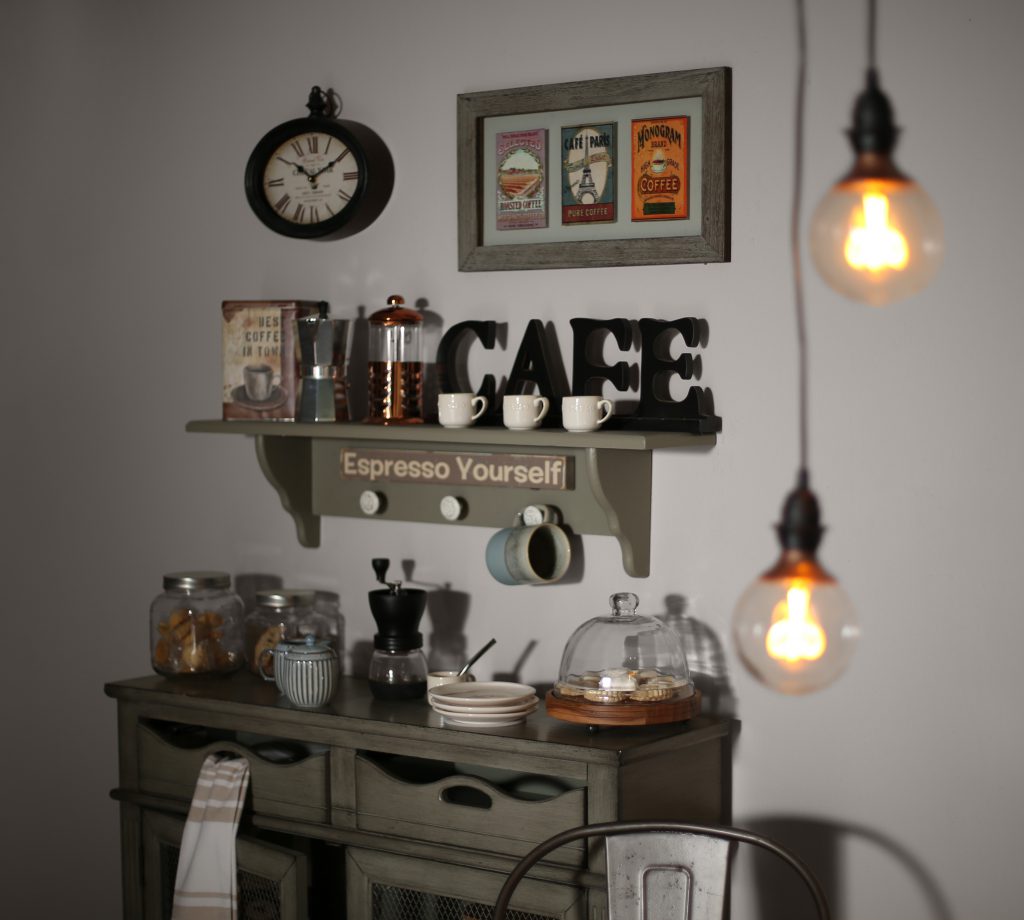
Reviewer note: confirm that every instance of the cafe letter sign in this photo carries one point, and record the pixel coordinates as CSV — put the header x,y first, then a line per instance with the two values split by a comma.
x,y
513,471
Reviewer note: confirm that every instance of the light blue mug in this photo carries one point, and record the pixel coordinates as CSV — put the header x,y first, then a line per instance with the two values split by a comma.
x,y
526,554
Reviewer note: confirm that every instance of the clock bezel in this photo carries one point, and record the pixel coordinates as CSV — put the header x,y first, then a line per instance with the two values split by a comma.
x,y
358,213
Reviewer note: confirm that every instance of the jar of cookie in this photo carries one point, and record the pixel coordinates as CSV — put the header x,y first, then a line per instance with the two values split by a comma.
x,y
623,668
288,613
195,625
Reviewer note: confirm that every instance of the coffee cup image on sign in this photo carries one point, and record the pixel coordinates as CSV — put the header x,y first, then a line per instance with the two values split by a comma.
x,y
258,382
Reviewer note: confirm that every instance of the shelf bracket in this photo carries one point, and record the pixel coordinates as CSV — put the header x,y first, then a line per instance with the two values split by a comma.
x,y
287,464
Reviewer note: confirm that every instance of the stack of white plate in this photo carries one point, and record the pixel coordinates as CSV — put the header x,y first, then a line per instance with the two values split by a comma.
x,y
491,704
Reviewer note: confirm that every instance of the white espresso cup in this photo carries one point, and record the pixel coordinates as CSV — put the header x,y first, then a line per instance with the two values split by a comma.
x,y
455,410
585,413
523,412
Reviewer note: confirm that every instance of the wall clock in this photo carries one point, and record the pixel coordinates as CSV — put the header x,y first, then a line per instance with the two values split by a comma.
x,y
319,177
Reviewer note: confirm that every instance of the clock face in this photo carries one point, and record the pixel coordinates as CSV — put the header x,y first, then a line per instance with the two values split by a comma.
x,y
311,178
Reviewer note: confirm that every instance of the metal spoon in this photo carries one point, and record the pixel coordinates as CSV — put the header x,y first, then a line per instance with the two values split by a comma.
x,y
472,661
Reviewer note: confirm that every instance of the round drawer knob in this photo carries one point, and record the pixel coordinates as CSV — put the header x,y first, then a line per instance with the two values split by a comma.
x,y
452,508
371,502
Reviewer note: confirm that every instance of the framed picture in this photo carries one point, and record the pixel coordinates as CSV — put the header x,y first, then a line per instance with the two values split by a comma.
x,y
619,171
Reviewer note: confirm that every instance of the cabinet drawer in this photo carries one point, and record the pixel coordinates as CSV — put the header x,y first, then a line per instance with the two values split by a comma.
x,y
438,804
297,790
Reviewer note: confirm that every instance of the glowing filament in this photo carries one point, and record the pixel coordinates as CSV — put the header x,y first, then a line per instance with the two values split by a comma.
x,y
873,243
795,634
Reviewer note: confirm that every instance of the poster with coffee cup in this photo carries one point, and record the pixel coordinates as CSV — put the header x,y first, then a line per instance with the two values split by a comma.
x,y
260,361
661,168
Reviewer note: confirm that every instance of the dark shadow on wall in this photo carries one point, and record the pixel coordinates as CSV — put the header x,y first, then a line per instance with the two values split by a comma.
x,y
780,893
705,656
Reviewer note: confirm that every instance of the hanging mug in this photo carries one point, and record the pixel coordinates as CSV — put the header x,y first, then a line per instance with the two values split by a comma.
x,y
529,554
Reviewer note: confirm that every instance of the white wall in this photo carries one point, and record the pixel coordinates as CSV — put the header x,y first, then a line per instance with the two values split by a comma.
x,y
126,129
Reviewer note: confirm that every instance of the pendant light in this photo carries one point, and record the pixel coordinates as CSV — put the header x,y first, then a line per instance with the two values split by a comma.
x,y
876,237
794,627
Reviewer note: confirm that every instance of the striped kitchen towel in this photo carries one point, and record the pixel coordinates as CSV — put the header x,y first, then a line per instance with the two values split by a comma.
x,y
206,886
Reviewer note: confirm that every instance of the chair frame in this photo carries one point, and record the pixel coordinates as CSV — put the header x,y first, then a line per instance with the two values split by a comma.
x,y
616,828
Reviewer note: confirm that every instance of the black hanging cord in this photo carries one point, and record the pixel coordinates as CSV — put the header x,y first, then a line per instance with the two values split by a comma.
x,y
794,242
872,32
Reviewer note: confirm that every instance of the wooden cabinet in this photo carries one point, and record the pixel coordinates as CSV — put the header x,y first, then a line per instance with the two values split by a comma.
x,y
409,813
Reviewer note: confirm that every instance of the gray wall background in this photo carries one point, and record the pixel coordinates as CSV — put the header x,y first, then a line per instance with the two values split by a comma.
x,y
126,129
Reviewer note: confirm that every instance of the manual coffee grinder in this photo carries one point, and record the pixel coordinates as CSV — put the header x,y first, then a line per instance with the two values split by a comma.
x,y
398,669
395,372
323,344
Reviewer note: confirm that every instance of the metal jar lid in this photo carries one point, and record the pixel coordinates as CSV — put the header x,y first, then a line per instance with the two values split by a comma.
x,y
196,581
285,597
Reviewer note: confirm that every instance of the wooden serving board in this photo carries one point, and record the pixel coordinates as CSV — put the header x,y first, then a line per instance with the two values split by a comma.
x,y
627,713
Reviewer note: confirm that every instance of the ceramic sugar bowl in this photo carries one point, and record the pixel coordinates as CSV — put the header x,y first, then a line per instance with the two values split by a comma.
x,y
305,670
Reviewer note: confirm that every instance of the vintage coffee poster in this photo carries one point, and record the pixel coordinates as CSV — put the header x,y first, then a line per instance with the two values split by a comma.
x,y
259,357
661,168
588,174
521,180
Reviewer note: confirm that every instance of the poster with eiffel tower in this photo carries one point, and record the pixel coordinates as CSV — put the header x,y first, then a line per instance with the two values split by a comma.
x,y
588,174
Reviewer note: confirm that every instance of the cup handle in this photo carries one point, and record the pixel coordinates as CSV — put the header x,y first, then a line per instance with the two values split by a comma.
x,y
544,404
605,404
483,407
259,664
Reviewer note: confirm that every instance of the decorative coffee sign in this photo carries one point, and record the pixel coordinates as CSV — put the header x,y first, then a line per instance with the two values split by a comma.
x,y
511,471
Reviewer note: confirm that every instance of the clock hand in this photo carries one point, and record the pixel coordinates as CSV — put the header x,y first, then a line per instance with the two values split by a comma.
x,y
298,168
330,165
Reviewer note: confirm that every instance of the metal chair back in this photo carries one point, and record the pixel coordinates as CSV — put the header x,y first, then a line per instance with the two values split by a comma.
x,y
658,869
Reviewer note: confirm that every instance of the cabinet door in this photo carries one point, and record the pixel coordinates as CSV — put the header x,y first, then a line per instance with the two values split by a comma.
x,y
271,879
385,886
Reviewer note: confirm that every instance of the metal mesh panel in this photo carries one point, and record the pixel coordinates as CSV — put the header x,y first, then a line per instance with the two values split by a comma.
x,y
259,898
392,903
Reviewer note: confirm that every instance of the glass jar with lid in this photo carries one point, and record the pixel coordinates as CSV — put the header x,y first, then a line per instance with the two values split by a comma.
x,y
195,625
395,371
625,665
286,613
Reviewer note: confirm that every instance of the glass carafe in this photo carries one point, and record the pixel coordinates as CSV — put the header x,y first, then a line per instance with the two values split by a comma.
x,y
395,371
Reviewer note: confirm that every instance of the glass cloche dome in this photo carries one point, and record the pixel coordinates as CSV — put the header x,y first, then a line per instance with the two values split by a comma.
x,y
623,658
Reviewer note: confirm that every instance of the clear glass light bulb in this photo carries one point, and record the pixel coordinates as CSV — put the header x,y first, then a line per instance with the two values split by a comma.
x,y
794,627
877,239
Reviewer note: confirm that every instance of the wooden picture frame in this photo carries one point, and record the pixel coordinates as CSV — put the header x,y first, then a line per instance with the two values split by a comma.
x,y
703,96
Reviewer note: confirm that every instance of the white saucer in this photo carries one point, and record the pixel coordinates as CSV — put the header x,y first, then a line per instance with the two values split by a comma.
x,y
486,721
485,693
509,710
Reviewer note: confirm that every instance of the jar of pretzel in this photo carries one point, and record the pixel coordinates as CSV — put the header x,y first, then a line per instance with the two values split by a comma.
x,y
195,625
289,613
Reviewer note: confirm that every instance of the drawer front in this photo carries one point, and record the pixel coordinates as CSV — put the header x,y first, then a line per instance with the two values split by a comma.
x,y
299,790
466,811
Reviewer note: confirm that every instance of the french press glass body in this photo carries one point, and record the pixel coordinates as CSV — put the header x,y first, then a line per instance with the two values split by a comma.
x,y
395,372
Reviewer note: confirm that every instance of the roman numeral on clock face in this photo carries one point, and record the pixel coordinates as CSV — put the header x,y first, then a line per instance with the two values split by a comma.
x,y
313,143
282,202
350,176
275,183
297,216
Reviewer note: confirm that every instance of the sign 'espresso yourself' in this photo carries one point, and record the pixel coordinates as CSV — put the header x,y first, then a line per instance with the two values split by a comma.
x,y
529,471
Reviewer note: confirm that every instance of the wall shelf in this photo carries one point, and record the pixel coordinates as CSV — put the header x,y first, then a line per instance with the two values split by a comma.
x,y
610,491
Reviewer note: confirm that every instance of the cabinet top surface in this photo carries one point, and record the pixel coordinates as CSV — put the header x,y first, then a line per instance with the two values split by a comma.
x,y
355,709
